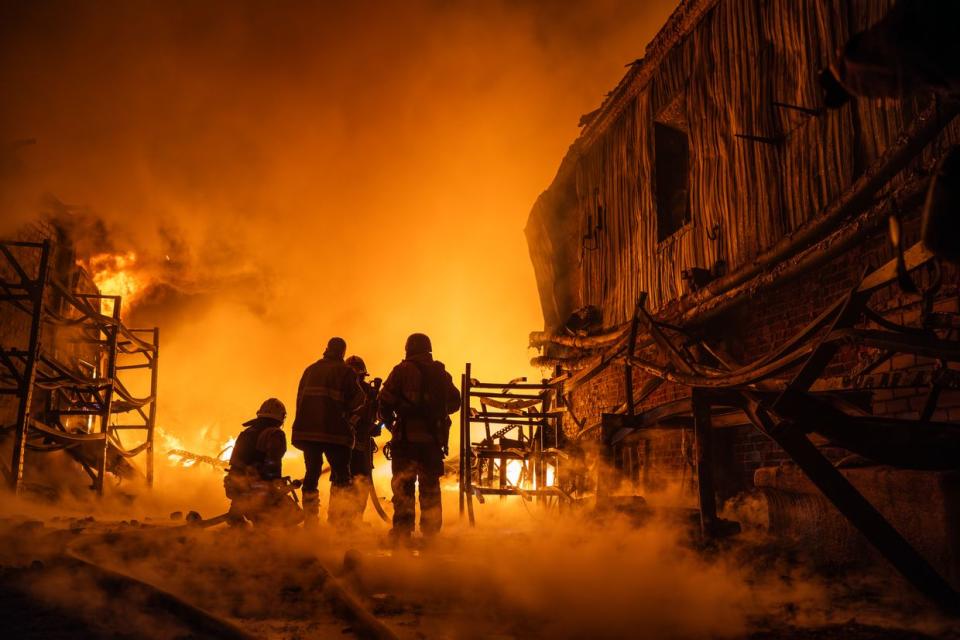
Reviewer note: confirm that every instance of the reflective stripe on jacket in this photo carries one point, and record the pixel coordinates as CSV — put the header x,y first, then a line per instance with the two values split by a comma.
x,y
328,393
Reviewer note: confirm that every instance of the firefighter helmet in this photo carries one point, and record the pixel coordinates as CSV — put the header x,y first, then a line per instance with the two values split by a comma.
x,y
272,408
418,343
357,364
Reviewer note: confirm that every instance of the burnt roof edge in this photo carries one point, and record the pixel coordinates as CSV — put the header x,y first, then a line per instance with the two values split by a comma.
x,y
680,23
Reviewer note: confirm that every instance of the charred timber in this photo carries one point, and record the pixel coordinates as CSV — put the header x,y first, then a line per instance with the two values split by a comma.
x,y
859,196
541,338
807,259
524,385
549,362
822,239
858,511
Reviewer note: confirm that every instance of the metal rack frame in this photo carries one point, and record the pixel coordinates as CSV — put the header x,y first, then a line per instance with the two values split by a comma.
x,y
533,410
60,315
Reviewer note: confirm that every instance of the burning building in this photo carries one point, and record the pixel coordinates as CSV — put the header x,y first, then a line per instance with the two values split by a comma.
x,y
720,289
79,387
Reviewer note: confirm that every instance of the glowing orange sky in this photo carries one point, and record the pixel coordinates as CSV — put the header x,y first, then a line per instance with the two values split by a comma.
x,y
369,166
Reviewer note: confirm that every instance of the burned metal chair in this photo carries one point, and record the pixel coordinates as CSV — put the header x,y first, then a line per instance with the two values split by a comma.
x,y
523,457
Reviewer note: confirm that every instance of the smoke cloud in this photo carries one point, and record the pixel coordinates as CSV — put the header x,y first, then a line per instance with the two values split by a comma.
x,y
285,172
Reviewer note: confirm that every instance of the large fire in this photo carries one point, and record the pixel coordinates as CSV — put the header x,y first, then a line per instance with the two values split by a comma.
x,y
519,476
173,446
178,456
227,449
115,275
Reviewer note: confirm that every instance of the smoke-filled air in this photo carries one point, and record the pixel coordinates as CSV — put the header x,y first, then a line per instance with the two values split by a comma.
x,y
271,176
280,187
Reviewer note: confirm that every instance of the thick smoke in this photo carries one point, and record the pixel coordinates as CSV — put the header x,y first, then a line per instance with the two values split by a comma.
x,y
523,572
288,172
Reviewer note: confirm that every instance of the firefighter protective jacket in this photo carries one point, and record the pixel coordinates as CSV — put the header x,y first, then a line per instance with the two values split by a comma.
x,y
258,451
403,394
327,395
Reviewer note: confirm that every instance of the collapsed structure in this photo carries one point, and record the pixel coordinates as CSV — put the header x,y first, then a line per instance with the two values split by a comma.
x,y
720,291
78,388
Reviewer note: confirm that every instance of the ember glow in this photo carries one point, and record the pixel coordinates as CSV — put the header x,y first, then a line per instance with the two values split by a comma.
x,y
227,449
114,275
515,472
171,446
518,475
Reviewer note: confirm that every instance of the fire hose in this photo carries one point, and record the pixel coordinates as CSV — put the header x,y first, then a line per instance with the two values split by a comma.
x,y
376,500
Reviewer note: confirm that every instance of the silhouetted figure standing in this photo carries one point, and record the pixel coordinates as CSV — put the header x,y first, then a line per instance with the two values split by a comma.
x,y
327,396
415,403
367,427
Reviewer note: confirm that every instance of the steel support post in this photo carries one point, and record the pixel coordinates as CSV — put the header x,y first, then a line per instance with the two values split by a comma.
x,y
36,290
463,415
631,347
539,471
113,336
465,444
152,421
703,445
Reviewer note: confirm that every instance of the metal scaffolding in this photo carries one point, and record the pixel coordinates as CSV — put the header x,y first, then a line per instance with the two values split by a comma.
x,y
70,364
527,418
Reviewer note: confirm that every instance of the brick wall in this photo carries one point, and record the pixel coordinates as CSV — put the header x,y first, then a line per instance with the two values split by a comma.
x,y
754,329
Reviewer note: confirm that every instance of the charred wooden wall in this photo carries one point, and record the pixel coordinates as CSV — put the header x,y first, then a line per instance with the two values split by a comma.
x,y
729,76
765,161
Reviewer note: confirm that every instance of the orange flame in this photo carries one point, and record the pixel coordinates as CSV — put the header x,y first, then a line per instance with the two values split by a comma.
x,y
514,472
518,476
115,275
227,449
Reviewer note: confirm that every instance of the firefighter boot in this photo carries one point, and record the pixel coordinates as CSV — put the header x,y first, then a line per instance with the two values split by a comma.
x,y
342,506
311,509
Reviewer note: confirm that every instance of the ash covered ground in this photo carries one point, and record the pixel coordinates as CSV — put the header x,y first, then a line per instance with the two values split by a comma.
x,y
521,573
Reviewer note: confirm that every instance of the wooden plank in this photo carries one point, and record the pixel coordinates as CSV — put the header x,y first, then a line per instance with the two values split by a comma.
x,y
922,345
666,345
889,380
825,350
509,416
914,257
856,509
505,394
494,385
906,444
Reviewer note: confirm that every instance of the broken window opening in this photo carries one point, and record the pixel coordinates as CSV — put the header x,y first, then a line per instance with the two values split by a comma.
x,y
672,179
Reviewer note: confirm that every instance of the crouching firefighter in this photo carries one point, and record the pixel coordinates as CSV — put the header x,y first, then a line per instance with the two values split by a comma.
x,y
366,426
328,395
254,482
415,404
